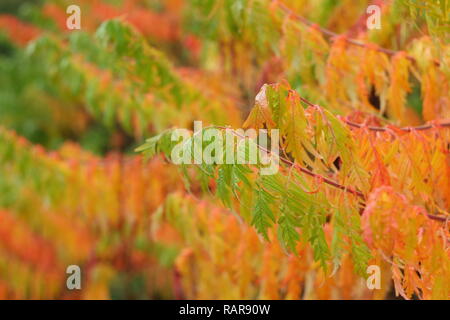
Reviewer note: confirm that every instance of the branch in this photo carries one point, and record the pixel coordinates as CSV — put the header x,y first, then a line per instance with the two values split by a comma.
x,y
304,170
329,181
445,124
438,218
406,129
332,34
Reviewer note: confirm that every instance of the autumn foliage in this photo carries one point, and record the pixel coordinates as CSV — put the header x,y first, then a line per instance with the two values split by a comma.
x,y
85,150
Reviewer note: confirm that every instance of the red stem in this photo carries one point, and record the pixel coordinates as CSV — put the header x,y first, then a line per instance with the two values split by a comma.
x,y
332,34
308,172
326,180
372,128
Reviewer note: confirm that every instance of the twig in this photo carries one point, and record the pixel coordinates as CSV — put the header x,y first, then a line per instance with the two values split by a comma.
x,y
326,180
304,170
373,128
407,129
332,34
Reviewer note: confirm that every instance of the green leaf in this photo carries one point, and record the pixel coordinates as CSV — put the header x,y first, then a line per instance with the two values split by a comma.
x,y
263,216
223,184
287,232
149,147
